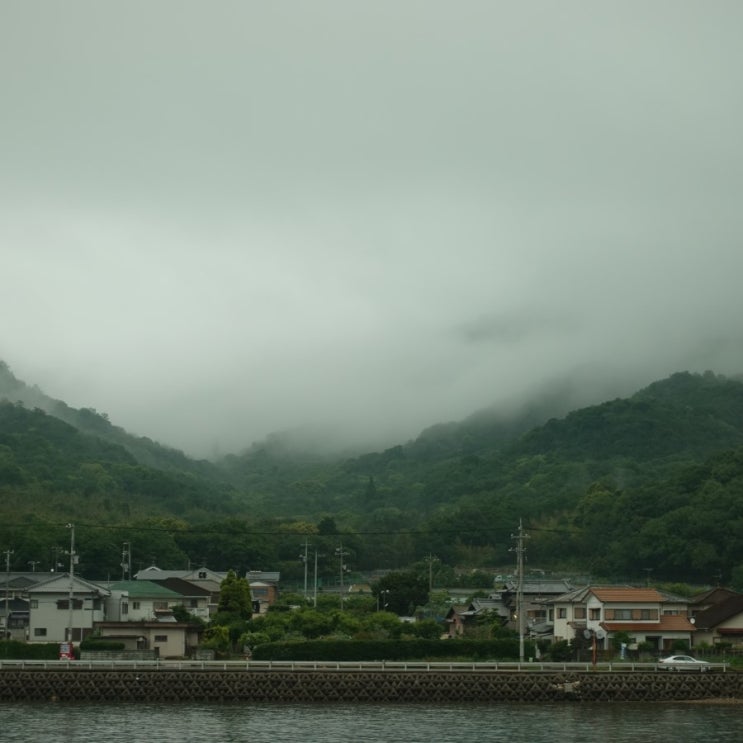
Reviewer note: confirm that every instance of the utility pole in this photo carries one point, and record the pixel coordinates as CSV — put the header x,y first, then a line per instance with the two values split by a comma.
x,y
33,564
314,595
71,527
126,561
304,558
430,560
520,550
8,553
341,554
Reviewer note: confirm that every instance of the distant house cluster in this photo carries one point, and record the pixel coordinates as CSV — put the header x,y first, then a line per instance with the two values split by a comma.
x,y
600,614
53,607
140,614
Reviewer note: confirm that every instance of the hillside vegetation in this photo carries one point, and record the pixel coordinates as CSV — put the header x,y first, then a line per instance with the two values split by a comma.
x,y
647,485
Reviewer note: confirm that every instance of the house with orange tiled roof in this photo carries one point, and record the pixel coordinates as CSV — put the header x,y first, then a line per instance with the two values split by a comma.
x,y
601,612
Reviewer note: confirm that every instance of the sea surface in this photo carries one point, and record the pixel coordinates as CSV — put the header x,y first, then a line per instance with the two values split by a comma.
x,y
565,721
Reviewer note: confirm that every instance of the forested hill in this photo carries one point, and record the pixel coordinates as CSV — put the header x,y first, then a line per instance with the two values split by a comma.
x,y
685,415
88,421
682,419
651,482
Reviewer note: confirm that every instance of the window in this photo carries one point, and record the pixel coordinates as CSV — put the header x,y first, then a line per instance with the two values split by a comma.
x,y
135,605
194,603
34,603
562,613
619,614
579,612
125,609
161,638
594,614
159,605
65,604
39,631
202,575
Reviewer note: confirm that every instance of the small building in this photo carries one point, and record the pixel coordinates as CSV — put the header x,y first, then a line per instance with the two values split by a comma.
x,y
264,587
459,618
163,638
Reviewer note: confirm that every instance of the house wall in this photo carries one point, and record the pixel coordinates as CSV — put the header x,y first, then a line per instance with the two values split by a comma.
x,y
166,639
48,623
593,612
563,614
714,637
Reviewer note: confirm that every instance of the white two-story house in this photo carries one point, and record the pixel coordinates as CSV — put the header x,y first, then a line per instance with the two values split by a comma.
x,y
645,614
51,619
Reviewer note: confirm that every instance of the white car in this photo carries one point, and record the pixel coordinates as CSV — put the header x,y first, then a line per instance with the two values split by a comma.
x,y
683,663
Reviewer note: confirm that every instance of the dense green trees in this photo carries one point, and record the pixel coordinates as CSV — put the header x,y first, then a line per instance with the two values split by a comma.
x,y
650,484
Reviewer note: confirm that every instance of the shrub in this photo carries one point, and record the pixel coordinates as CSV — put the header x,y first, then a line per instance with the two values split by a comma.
x,y
102,645
14,650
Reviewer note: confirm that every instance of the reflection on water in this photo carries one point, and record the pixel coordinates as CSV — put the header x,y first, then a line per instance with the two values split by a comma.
x,y
407,723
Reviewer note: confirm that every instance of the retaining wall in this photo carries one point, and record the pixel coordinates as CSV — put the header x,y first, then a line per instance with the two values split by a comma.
x,y
332,686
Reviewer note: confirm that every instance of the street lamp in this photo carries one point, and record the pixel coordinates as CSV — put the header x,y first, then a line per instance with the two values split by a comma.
x,y
386,593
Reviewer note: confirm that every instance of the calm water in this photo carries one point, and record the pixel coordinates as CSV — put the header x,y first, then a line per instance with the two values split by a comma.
x,y
406,723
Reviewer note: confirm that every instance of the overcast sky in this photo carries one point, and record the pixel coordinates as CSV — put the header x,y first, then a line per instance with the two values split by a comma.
x,y
222,219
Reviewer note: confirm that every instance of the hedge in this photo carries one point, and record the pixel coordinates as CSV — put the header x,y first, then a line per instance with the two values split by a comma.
x,y
14,650
109,645
392,650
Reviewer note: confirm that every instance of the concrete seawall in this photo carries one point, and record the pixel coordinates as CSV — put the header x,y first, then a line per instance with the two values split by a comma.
x,y
71,683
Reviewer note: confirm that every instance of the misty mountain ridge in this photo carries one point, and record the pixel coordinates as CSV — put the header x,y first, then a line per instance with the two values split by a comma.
x,y
535,425
314,443
648,467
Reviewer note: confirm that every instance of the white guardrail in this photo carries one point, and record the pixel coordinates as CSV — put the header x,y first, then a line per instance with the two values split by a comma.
x,y
291,665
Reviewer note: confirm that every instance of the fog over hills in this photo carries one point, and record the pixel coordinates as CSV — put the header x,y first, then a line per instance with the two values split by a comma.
x,y
220,221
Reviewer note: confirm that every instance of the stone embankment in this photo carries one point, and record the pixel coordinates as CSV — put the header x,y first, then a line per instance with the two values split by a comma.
x,y
70,682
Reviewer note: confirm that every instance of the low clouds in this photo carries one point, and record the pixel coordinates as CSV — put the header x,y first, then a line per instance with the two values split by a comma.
x,y
222,221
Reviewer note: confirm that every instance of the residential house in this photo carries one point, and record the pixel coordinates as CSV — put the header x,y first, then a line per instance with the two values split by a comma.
x,y
164,638
459,617
264,585
645,614
52,619
711,597
535,597
202,577
195,599
264,588
469,619
720,623
139,600
13,587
